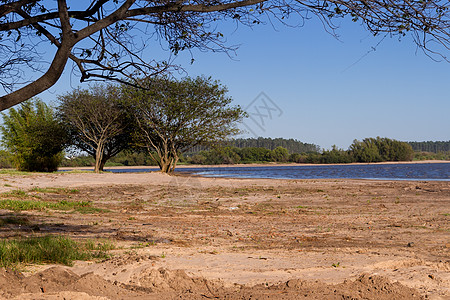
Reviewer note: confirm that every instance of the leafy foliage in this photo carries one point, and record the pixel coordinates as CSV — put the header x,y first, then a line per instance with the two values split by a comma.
x,y
34,136
176,115
6,159
96,121
381,149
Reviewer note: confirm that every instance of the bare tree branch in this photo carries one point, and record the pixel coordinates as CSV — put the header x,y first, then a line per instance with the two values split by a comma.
x,y
100,40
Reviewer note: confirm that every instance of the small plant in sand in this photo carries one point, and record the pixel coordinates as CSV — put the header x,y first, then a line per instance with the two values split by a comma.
x,y
336,265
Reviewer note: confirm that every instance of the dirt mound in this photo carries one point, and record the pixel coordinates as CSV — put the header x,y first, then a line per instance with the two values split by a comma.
x,y
365,287
50,283
61,283
178,282
8,280
59,296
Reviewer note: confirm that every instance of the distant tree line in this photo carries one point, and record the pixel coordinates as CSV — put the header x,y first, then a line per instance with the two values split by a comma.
x,y
429,146
368,150
292,145
432,156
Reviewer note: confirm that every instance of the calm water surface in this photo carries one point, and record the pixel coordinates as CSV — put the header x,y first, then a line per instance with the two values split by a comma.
x,y
417,171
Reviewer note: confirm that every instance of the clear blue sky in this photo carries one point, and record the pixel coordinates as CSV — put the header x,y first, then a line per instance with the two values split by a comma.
x,y
328,90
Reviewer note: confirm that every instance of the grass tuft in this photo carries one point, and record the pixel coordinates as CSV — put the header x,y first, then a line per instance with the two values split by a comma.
x,y
15,194
19,205
14,172
53,190
90,210
49,249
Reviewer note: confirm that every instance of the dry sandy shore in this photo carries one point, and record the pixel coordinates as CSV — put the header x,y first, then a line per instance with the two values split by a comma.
x,y
199,238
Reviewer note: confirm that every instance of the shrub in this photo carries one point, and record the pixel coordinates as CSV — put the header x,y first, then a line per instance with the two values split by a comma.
x,y
34,137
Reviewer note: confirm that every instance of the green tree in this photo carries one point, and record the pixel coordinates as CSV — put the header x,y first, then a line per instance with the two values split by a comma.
x,y
365,151
97,122
381,149
280,154
175,115
336,156
34,136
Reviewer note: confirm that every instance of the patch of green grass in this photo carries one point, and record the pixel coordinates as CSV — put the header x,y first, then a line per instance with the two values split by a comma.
x,y
14,172
48,249
90,210
78,171
142,245
15,194
19,205
446,215
104,246
55,190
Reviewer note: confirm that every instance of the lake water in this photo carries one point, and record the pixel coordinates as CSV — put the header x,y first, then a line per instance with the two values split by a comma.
x,y
416,171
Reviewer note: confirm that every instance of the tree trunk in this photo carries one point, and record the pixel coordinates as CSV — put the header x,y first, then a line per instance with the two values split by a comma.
x,y
174,163
102,163
99,159
165,164
165,167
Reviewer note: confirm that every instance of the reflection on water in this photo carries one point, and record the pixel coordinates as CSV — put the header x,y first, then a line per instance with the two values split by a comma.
x,y
418,171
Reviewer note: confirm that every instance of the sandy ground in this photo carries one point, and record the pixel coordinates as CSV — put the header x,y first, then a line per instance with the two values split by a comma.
x,y
194,238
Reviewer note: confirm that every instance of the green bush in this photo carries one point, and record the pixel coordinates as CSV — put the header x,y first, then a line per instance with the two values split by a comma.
x,y
381,149
280,154
34,137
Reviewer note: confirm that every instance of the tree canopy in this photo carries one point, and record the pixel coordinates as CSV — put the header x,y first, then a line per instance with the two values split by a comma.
x,y
96,121
176,115
100,36
34,136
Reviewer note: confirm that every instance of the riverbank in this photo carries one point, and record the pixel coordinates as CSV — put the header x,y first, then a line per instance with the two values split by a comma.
x,y
240,238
